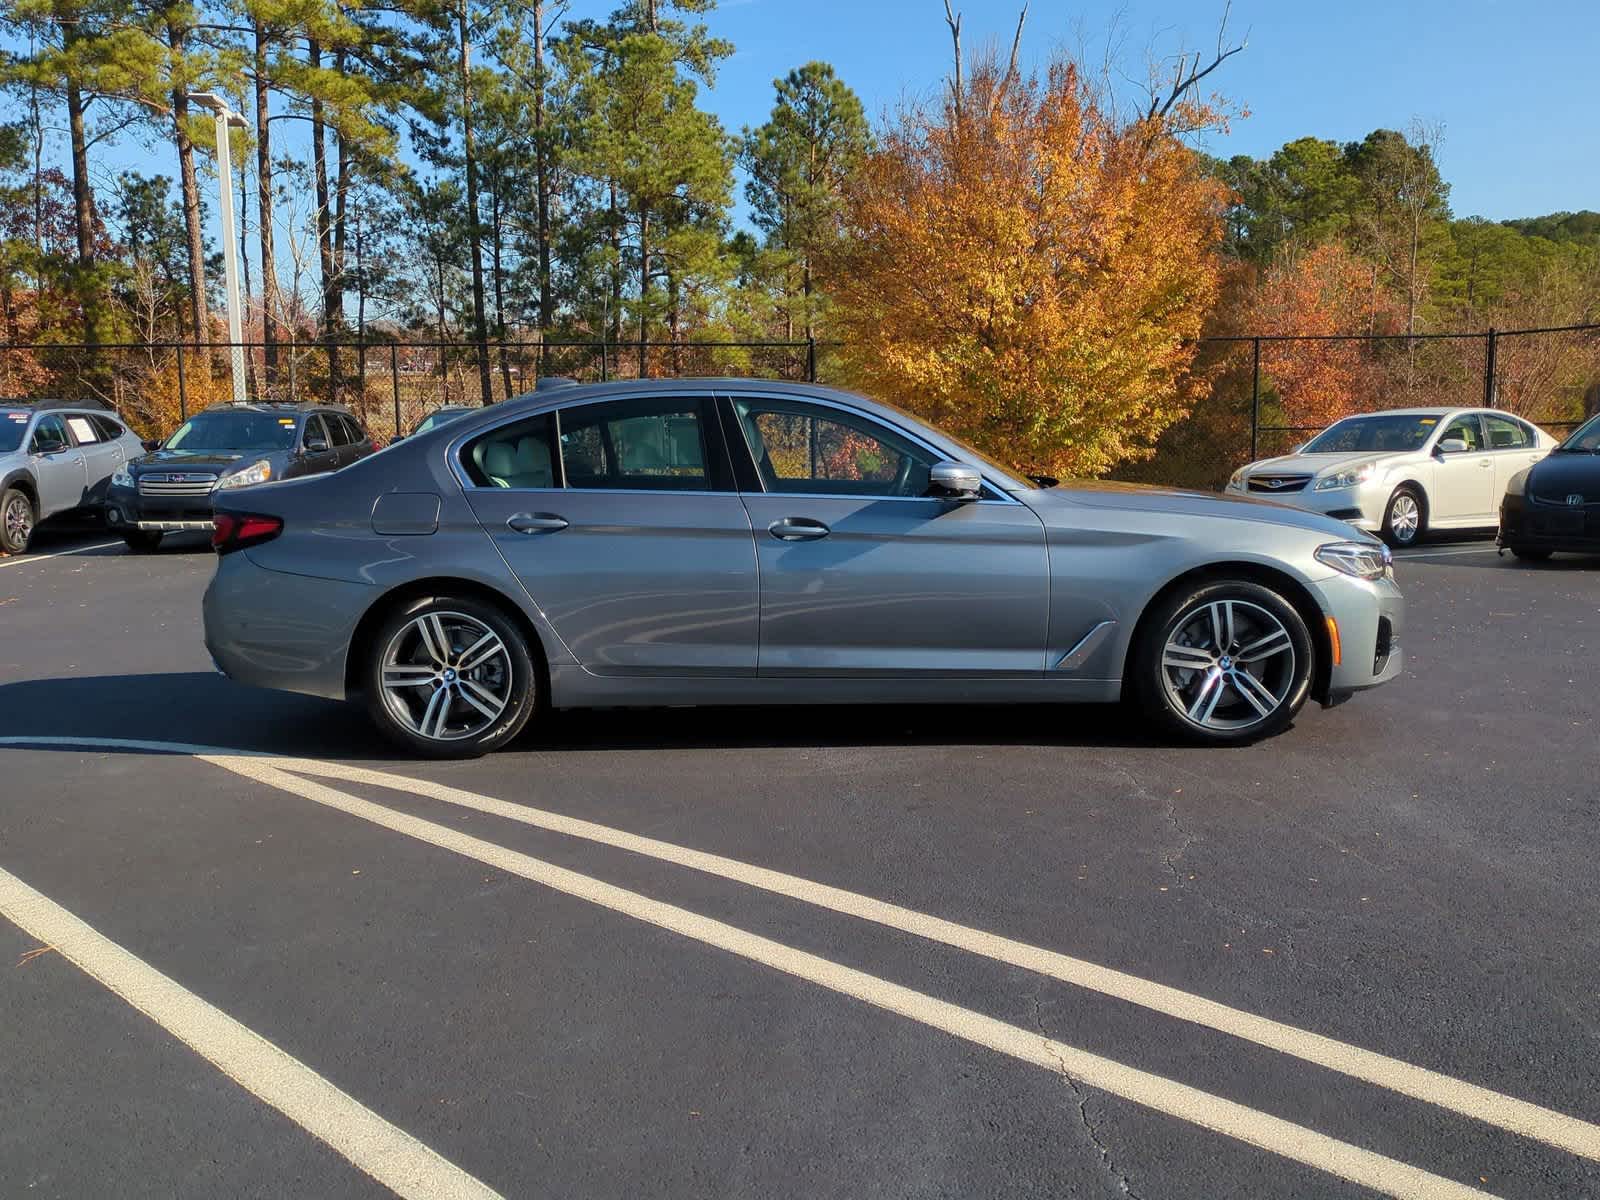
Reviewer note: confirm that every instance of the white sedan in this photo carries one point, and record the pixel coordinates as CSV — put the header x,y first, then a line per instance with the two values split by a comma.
x,y
1403,472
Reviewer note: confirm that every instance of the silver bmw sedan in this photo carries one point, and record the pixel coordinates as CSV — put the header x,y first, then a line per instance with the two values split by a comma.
x,y
722,541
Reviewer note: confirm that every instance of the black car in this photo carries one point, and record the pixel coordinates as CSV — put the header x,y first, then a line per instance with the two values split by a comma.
x,y
1555,504
229,446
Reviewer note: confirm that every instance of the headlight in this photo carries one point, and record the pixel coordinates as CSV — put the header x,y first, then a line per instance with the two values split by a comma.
x,y
1364,560
1236,480
256,473
122,478
1518,484
1347,477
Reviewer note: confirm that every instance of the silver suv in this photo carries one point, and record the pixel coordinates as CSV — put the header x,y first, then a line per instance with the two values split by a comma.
x,y
55,458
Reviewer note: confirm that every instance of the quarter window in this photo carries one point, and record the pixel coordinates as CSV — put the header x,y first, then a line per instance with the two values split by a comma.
x,y
1506,434
809,448
110,431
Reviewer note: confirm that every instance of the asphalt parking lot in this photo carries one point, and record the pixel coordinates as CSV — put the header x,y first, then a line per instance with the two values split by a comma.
x,y
949,952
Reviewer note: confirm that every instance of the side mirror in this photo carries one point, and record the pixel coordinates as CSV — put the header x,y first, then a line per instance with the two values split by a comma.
x,y
1453,446
954,481
316,445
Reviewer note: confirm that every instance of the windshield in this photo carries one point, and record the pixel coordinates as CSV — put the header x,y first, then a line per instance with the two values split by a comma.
x,y
1584,437
13,425
1354,434
233,431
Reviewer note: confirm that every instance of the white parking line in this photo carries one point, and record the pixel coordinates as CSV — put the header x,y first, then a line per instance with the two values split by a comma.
x,y
388,1154
1444,553
1296,1142
33,558
1480,1103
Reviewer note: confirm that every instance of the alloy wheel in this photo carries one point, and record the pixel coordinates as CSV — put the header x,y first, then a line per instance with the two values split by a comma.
x,y
18,520
446,676
1228,665
1404,517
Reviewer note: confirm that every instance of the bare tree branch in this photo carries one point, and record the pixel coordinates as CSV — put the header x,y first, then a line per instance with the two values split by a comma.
x,y
1188,73
953,19
1011,66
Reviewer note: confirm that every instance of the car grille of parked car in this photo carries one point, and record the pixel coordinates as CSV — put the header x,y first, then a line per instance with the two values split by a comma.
x,y
1278,484
179,483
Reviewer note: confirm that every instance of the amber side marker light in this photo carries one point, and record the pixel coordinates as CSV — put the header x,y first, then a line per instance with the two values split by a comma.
x,y
1333,641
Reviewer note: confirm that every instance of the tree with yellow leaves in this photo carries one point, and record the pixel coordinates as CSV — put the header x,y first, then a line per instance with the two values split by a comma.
x,y
1028,267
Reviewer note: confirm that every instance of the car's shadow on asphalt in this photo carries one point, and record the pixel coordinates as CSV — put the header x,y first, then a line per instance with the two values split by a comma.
x,y
204,709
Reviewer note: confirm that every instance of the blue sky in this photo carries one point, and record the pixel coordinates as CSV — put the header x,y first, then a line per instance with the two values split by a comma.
x,y
1514,84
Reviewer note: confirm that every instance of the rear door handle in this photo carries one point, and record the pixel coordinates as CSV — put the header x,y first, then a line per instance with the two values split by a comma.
x,y
798,529
536,523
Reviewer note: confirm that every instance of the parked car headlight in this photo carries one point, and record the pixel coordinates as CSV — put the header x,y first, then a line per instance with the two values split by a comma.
x,y
1347,477
1236,480
1517,485
122,478
1364,560
255,473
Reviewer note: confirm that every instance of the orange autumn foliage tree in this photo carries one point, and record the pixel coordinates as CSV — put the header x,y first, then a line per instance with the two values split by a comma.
x,y
1029,270
1323,291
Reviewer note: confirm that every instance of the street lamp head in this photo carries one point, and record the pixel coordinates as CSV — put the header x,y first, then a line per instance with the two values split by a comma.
x,y
219,105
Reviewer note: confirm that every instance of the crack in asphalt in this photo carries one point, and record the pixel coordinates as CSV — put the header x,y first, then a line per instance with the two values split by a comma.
x,y
1081,1100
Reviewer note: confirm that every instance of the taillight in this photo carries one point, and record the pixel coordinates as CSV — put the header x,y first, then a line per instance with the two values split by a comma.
x,y
230,531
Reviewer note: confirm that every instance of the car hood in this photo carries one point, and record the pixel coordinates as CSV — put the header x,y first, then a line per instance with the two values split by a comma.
x,y
1315,464
1133,497
194,460
1562,475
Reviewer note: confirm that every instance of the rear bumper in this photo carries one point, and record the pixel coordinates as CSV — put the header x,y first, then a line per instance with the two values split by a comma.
x,y
272,629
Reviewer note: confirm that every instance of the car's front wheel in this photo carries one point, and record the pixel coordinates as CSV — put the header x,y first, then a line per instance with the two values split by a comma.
x,y
1405,519
1226,662
16,521
450,677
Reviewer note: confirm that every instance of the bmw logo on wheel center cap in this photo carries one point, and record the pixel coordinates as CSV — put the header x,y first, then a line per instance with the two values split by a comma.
x,y
1225,662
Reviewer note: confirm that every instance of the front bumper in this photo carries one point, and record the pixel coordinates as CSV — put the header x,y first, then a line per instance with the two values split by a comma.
x,y
1361,506
125,508
1530,525
1370,615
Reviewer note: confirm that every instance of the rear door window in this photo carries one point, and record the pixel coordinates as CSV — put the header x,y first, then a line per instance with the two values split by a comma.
x,y
648,443
83,430
337,429
1506,434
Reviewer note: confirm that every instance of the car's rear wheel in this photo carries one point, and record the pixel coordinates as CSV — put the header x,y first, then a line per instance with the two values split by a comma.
x,y
450,677
141,541
1528,554
1405,518
16,521
1229,661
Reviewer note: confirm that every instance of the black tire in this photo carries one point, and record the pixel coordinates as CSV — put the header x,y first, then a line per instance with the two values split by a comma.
x,y
1172,695
141,541
402,711
1528,554
17,520
1398,531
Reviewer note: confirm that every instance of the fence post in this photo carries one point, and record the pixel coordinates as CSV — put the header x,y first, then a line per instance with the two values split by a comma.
x,y
1491,354
811,359
183,389
394,378
1255,398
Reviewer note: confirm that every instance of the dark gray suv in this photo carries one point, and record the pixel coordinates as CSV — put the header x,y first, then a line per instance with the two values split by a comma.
x,y
55,458
230,446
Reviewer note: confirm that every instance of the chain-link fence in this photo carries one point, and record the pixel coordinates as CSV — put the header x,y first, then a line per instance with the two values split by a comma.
x,y
390,385
1249,396
1253,397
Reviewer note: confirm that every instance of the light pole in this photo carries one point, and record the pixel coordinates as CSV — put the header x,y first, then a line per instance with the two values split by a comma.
x,y
230,245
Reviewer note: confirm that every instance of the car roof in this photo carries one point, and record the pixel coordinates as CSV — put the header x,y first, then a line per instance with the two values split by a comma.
x,y
280,406
43,406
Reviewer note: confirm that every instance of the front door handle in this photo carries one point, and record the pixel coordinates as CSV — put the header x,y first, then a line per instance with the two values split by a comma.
x,y
1484,462
798,529
536,523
